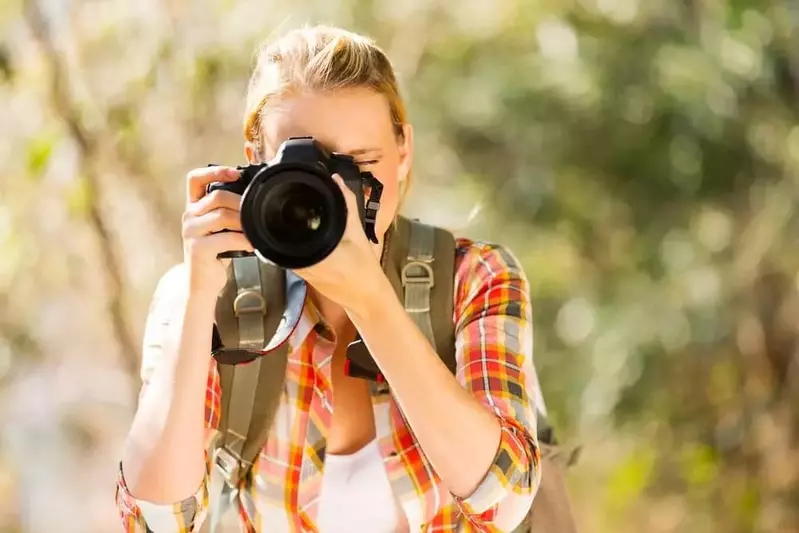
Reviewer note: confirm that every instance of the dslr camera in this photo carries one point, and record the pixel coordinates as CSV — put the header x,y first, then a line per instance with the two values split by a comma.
x,y
292,211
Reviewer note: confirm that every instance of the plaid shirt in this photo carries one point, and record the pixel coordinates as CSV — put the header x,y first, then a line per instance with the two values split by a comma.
x,y
494,362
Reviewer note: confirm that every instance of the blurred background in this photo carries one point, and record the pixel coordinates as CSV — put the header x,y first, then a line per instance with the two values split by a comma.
x,y
640,156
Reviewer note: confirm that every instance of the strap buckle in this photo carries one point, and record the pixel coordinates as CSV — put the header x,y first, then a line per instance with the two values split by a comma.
x,y
249,302
372,204
426,277
227,464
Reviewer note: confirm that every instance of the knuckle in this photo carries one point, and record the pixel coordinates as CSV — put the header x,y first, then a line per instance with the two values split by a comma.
x,y
213,197
195,174
232,197
227,199
216,216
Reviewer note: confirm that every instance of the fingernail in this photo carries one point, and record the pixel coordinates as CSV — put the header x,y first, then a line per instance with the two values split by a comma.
x,y
233,173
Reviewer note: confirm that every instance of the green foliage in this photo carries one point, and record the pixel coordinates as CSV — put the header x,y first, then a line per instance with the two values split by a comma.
x,y
39,150
699,465
639,157
78,197
630,479
6,67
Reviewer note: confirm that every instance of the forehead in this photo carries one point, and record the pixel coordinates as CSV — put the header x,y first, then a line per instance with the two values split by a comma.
x,y
343,121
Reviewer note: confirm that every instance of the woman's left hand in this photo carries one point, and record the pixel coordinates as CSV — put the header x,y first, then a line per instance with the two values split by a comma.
x,y
351,274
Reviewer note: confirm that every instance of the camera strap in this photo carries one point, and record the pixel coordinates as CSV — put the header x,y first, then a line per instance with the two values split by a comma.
x,y
372,206
255,315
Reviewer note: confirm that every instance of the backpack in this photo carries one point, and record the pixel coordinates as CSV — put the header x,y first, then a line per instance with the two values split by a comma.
x,y
262,303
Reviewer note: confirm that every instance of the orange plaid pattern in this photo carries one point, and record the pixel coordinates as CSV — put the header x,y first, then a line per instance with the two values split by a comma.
x,y
494,362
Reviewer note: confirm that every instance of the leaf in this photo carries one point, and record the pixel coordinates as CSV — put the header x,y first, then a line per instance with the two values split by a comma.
x,y
6,65
630,479
79,197
39,150
699,465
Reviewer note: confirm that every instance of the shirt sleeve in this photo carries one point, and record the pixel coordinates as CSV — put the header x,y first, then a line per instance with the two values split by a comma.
x,y
139,516
494,351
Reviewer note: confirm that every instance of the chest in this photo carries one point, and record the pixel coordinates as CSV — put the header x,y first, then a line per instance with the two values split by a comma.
x,y
324,411
352,423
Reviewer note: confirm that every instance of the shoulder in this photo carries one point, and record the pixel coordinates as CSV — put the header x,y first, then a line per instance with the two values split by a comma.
x,y
484,259
173,278
487,274
169,292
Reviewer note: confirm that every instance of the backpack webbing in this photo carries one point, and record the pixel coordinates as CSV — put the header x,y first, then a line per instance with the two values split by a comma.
x,y
248,314
419,261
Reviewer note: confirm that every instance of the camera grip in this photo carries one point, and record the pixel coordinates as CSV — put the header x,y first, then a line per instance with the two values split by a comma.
x,y
235,188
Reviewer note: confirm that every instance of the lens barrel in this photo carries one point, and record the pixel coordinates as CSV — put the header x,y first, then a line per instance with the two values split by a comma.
x,y
294,214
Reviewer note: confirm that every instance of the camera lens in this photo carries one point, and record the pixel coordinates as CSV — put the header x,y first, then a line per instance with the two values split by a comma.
x,y
295,212
294,217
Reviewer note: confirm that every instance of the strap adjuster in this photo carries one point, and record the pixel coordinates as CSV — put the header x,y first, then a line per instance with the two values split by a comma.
x,y
249,302
227,464
426,277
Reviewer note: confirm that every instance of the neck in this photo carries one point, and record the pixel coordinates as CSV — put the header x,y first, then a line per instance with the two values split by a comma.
x,y
334,314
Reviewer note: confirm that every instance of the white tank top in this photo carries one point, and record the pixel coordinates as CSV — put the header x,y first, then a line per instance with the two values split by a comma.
x,y
356,495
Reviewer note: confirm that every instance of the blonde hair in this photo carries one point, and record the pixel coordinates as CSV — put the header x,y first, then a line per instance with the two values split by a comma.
x,y
319,58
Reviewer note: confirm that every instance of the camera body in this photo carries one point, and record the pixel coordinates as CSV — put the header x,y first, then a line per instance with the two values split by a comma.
x,y
292,211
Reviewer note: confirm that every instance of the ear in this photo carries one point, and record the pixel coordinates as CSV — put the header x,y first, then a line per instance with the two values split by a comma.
x,y
252,153
406,151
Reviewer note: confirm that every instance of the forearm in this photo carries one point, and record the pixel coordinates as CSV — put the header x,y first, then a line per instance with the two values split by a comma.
x,y
458,435
164,456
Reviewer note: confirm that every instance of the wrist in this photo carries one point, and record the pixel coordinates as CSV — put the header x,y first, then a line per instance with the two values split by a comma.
x,y
201,297
374,300
196,311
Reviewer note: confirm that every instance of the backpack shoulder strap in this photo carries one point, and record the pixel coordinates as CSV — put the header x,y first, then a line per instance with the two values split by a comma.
x,y
257,311
257,307
250,398
419,262
424,257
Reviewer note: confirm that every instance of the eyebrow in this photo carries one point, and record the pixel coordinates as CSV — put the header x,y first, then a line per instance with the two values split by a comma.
x,y
363,151
268,153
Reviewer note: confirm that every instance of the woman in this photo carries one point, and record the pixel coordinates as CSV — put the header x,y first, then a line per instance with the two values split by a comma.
x,y
473,464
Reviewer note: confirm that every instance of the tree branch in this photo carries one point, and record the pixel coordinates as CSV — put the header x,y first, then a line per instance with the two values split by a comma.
x,y
18,337
87,145
133,157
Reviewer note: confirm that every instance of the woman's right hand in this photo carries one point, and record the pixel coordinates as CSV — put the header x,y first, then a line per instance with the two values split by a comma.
x,y
206,215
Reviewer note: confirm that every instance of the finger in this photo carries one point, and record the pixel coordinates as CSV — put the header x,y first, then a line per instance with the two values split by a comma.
x,y
198,179
218,199
212,222
349,196
223,242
